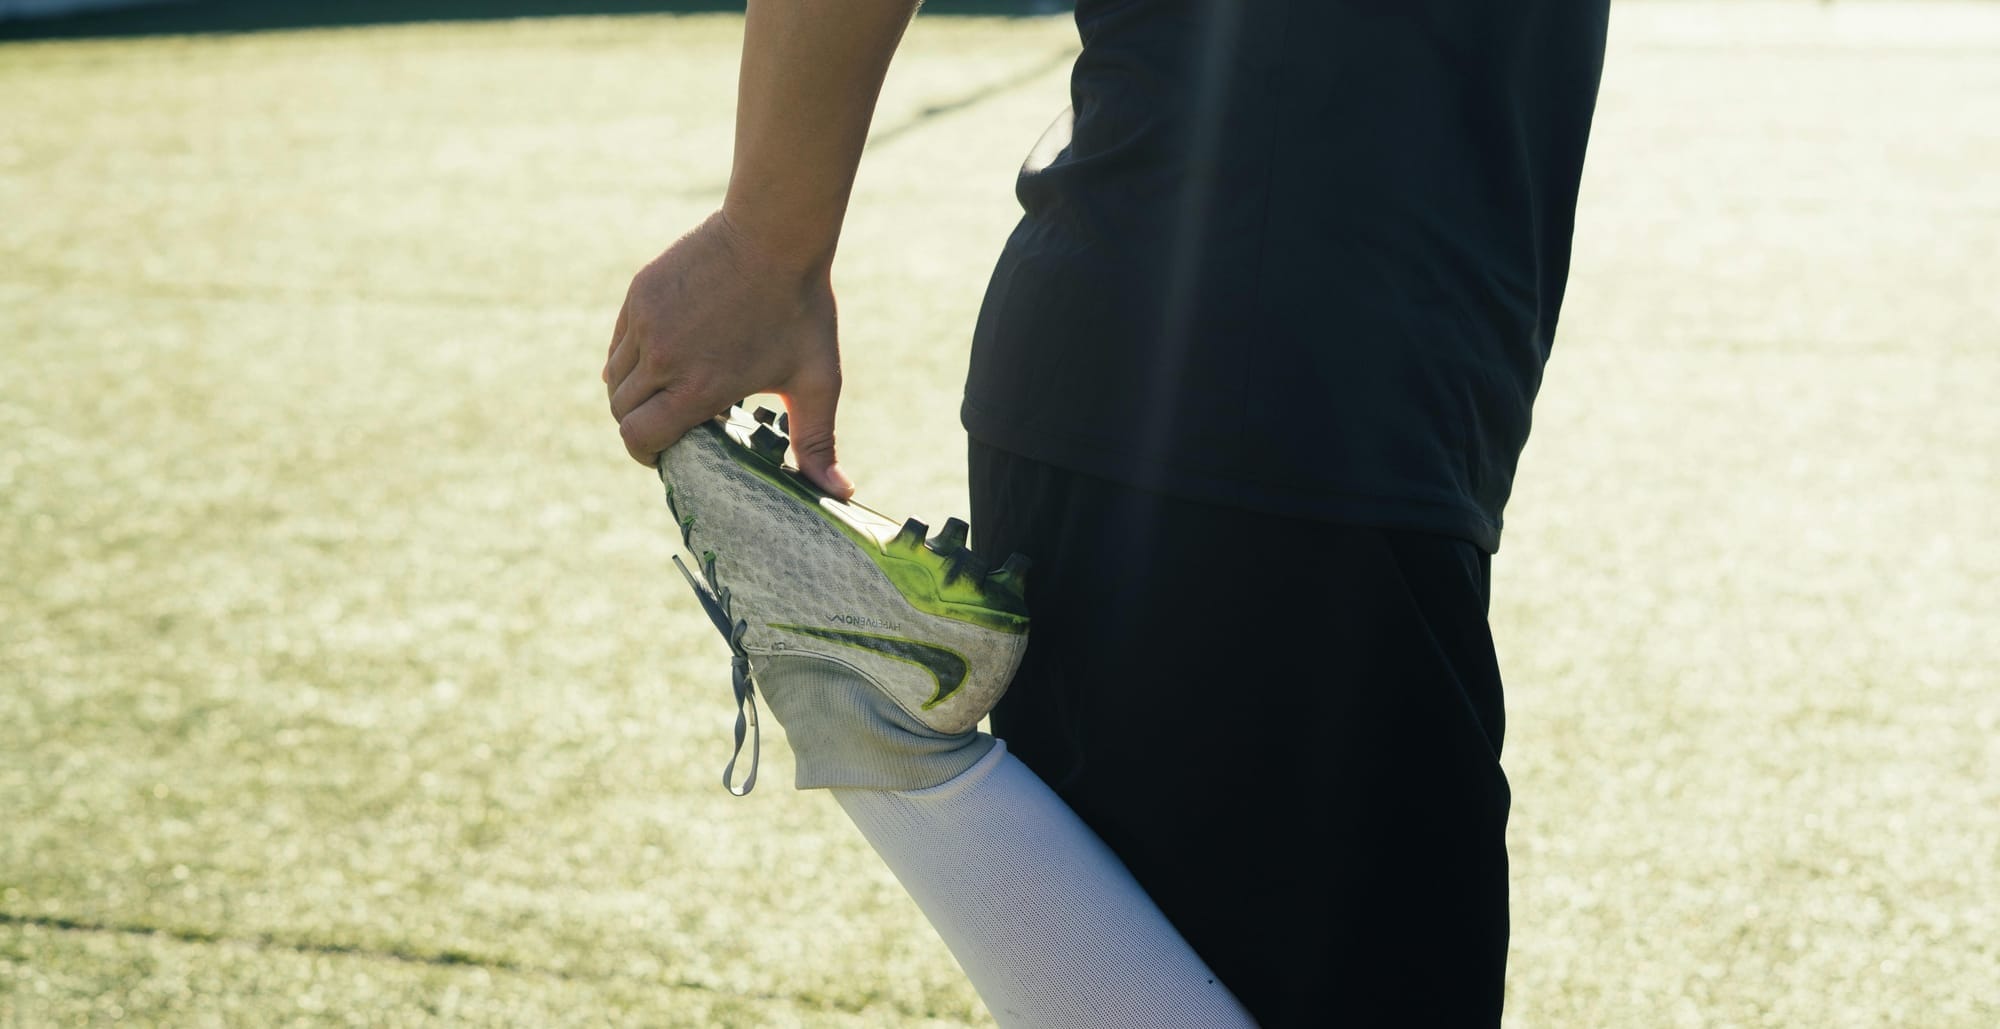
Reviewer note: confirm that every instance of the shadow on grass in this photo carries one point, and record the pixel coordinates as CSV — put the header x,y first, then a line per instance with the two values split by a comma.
x,y
226,16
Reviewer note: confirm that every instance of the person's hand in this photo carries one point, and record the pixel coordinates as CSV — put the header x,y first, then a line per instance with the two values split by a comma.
x,y
715,319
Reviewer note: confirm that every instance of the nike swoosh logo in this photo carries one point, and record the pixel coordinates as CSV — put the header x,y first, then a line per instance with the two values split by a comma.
x,y
945,666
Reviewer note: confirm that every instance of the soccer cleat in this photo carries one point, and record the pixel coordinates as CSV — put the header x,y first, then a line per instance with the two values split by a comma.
x,y
879,647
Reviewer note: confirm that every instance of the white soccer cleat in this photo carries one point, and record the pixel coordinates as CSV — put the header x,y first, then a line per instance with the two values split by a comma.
x,y
879,649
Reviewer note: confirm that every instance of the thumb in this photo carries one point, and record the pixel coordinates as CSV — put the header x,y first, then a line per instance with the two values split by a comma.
x,y
810,405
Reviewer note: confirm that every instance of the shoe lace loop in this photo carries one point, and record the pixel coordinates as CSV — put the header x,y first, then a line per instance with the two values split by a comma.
x,y
716,604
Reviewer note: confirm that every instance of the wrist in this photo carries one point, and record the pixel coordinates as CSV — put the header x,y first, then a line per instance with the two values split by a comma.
x,y
799,248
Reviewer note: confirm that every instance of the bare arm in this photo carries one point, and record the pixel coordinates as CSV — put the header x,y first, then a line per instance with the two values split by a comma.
x,y
744,303
812,70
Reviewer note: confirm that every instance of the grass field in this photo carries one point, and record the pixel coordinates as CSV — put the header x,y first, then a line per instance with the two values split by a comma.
x,y
343,678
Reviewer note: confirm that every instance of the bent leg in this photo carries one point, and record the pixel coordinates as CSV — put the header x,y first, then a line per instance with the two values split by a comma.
x,y
1051,928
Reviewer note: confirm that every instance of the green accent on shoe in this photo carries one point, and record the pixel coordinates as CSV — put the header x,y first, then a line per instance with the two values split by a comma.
x,y
933,582
947,666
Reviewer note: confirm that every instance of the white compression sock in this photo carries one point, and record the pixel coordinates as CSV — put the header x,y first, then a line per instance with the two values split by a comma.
x,y
1045,920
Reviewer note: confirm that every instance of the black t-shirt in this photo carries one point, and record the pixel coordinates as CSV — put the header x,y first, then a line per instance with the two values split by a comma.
x,y
1300,256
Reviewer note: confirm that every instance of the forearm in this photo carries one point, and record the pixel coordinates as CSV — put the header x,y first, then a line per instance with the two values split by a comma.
x,y
811,72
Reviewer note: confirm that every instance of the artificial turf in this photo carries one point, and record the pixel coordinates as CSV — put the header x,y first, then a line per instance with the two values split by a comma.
x,y
343,678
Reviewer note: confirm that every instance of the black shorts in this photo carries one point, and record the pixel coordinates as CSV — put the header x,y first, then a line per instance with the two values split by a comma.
x,y
1289,730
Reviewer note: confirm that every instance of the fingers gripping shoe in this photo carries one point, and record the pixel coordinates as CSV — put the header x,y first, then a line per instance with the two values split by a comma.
x,y
879,649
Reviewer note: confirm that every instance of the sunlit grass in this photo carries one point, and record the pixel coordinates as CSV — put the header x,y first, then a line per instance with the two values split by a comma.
x,y
342,676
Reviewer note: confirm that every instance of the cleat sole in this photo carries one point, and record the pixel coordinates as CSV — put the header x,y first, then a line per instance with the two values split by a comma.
x,y
940,576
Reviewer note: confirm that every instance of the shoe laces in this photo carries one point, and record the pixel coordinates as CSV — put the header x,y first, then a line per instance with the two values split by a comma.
x,y
716,603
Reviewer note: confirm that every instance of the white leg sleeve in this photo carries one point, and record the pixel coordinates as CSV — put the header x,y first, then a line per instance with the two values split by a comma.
x,y
1045,920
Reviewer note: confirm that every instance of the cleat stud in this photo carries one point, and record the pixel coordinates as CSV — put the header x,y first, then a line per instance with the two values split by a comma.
x,y
785,422
1012,576
764,415
951,537
911,535
769,445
